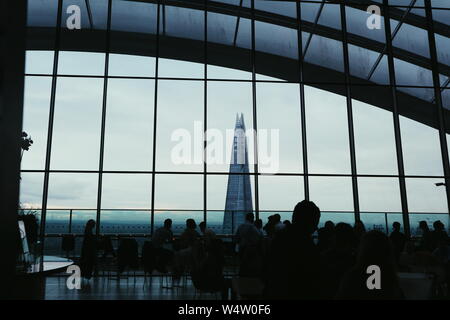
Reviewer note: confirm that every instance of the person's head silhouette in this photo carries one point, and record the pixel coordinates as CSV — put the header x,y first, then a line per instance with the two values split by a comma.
x,y
90,225
202,226
396,226
250,217
423,225
306,215
190,224
168,223
344,235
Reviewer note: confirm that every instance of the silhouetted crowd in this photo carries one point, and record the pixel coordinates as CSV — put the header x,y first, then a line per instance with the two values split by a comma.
x,y
291,263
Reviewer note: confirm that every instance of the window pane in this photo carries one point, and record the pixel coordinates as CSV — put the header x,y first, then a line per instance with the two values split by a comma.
x,y
129,125
125,221
126,191
379,195
77,124
131,66
31,187
39,62
424,196
35,120
72,191
226,101
81,63
280,192
57,221
374,139
279,128
180,126
332,193
327,132
421,148
176,192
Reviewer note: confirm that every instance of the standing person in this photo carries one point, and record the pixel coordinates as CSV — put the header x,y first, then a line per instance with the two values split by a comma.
x,y
259,226
88,251
249,243
398,240
325,236
425,240
294,261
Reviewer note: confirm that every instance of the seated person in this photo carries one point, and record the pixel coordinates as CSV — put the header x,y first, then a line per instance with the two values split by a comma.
x,y
184,258
161,240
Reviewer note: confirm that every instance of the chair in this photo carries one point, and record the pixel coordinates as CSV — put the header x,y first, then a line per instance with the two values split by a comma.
x,y
148,259
68,243
127,256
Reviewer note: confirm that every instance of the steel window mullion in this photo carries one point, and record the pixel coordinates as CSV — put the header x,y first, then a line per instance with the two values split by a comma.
x,y
302,103
351,132
438,99
50,129
396,119
255,126
205,111
103,124
155,115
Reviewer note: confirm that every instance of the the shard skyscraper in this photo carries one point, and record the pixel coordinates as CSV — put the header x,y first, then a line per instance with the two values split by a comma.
x,y
239,194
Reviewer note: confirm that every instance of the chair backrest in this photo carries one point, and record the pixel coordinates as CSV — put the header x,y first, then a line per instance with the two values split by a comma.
x,y
68,242
416,286
148,256
127,254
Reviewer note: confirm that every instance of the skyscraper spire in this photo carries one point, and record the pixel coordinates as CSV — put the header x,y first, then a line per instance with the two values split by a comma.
x,y
239,194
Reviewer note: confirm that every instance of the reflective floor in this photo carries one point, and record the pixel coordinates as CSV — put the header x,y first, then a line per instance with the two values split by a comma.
x,y
131,288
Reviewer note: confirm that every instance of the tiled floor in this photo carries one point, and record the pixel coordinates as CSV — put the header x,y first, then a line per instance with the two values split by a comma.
x,y
133,288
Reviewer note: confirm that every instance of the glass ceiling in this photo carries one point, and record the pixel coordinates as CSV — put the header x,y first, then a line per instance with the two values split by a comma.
x,y
276,32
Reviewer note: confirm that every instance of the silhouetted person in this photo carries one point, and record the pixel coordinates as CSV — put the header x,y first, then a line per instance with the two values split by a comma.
x,y
398,240
425,240
293,263
185,258
277,224
286,223
359,230
190,235
163,237
337,261
208,234
437,235
325,236
269,227
88,251
259,226
248,239
375,250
